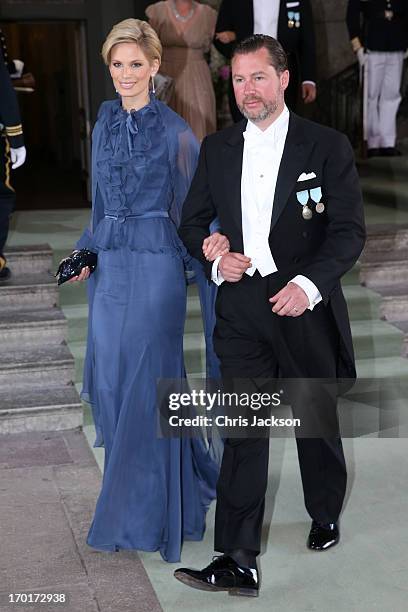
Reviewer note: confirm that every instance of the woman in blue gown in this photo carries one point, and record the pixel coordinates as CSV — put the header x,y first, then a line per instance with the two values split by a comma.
x,y
155,492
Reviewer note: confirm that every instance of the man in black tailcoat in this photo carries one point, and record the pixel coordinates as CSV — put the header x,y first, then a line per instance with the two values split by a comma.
x,y
290,22
287,195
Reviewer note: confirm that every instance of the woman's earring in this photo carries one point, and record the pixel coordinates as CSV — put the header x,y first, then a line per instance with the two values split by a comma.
x,y
153,87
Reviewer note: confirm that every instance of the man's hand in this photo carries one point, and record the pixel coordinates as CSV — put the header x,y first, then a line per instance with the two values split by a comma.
x,y
291,301
232,266
308,92
226,37
17,157
215,245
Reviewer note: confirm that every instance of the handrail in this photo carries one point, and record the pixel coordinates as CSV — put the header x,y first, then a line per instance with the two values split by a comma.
x,y
339,103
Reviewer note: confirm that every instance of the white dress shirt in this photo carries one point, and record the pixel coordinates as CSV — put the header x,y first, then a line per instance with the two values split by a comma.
x,y
262,156
266,17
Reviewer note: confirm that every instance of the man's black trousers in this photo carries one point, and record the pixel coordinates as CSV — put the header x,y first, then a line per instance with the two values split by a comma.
x,y
253,342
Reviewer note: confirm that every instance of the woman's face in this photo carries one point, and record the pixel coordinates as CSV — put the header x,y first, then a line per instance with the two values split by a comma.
x,y
131,70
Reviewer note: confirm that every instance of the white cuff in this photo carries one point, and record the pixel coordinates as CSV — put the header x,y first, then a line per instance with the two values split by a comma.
x,y
309,288
309,83
216,275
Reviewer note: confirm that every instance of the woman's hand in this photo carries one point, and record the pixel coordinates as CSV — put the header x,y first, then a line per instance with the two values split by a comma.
x,y
84,275
215,245
226,37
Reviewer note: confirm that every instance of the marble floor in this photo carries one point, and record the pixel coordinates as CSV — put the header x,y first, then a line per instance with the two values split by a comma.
x,y
368,570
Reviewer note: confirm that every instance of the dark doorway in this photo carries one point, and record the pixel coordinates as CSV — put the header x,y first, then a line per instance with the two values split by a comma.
x,y
56,129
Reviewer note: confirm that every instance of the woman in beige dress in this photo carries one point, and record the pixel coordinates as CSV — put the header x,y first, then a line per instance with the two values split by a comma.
x,y
186,29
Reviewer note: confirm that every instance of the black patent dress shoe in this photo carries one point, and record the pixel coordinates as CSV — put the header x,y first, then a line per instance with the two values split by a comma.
x,y
323,536
5,273
223,574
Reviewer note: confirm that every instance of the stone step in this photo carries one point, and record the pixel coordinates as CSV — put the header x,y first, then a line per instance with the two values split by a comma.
x,y
33,368
46,409
386,237
385,190
383,367
373,338
403,327
30,259
35,291
34,327
394,303
384,269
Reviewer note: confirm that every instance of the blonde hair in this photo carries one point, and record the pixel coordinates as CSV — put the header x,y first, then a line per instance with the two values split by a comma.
x,y
136,31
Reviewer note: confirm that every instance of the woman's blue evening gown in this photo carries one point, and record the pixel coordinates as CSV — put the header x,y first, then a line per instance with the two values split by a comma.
x,y
155,492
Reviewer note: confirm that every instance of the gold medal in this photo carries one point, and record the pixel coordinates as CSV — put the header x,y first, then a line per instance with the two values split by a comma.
x,y
291,23
389,15
307,213
320,207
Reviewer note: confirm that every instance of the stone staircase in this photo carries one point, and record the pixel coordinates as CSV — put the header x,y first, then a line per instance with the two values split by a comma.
x,y
37,369
384,269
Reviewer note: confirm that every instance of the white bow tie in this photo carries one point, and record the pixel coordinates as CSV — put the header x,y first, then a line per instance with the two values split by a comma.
x,y
258,139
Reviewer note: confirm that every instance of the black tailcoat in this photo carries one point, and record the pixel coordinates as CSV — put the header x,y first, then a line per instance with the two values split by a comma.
x,y
324,248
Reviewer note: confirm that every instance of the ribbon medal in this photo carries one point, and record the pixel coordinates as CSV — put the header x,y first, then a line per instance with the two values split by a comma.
x,y
297,20
303,199
291,19
316,195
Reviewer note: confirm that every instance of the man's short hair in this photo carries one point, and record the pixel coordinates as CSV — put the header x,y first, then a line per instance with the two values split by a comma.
x,y
256,42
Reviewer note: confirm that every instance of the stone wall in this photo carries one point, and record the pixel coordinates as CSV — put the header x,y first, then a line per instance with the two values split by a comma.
x,y
333,44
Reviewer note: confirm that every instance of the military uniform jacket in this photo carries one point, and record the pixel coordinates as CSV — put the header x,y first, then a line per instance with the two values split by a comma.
x,y
238,16
9,111
3,49
380,25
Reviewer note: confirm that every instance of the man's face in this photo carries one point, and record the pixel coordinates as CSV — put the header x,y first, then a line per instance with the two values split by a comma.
x,y
259,90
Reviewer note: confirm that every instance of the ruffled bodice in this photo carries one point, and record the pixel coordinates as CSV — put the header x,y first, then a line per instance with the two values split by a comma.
x,y
133,180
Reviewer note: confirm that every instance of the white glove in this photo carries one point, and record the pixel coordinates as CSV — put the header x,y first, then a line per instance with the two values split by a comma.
x,y
361,57
19,66
18,157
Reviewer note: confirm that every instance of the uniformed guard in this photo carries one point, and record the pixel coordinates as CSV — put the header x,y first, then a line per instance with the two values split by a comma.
x,y
379,36
12,153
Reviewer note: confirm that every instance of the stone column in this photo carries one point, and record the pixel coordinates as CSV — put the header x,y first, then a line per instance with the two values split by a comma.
x,y
334,52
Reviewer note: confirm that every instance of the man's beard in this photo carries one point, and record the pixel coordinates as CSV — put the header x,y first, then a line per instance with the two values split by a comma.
x,y
269,108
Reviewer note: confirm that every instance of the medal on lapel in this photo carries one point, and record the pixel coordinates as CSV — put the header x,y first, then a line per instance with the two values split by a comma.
x,y
316,195
297,20
303,199
291,19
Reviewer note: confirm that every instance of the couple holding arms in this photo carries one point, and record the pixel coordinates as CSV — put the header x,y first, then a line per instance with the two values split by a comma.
x,y
277,260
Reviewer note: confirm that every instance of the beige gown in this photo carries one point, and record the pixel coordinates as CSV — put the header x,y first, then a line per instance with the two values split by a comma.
x,y
184,45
